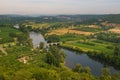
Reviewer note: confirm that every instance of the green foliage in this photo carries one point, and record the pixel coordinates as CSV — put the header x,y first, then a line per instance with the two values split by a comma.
x,y
108,58
112,18
88,29
44,74
41,45
23,75
2,77
87,70
88,46
71,37
50,59
47,65
109,36
116,76
105,74
80,69
7,34
105,28
68,75
117,51
55,56
53,38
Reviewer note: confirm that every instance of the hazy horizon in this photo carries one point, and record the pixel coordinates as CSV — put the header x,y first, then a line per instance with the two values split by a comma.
x,y
58,7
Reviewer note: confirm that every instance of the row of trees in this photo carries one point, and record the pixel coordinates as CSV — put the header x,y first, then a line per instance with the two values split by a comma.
x,y
109,36
105,73
113,59
53,38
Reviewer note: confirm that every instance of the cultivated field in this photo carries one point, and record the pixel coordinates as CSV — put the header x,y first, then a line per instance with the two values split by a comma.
x,y
115,30
66,30
37,25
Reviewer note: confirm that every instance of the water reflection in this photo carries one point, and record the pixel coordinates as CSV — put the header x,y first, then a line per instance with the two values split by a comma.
x,y
72,59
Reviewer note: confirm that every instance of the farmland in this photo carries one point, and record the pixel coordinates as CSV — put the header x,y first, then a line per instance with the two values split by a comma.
x,y
115,30
86,43
62,31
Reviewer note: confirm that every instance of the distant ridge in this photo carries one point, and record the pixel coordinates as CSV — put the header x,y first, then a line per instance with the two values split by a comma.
x,y
13,18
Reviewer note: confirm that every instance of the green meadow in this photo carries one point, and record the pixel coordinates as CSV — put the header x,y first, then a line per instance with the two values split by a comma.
x,y
5,34
82,43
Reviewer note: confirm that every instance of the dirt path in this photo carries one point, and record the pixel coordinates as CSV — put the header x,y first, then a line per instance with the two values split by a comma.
x,y
3,50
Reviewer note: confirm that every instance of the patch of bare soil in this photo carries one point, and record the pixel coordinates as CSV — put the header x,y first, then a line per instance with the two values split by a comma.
x,y
24,59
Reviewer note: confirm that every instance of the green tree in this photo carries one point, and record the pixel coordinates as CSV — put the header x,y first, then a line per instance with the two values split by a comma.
x,y
41,45
55,56
50,59
78,68
87,70
53,38
30,43
2,77
117,51
116,76
45,74
105,74
12,34
62,56
23,75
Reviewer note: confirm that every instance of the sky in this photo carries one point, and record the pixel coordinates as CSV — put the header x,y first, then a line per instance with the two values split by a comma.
x,y
59,7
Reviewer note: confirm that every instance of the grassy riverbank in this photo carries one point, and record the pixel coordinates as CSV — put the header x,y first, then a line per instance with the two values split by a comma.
x,y
103,52
84,44
88,46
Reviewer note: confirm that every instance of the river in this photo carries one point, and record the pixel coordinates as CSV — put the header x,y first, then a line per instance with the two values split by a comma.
x,y
72,58
37,38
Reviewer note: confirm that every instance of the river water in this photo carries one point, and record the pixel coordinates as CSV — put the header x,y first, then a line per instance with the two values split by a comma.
x,y
37,38
72,58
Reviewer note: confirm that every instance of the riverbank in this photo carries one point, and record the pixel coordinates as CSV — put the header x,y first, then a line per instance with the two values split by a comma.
x,y
99,56
74,48
91,53
73,58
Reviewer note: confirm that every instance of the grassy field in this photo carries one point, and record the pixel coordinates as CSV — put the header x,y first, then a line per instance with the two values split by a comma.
x,y
4,32
86,48
91,46
82,43
71,37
